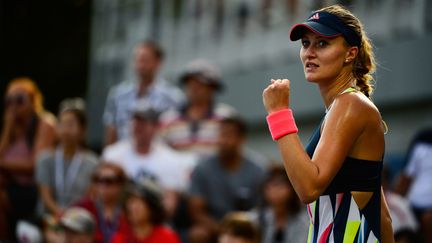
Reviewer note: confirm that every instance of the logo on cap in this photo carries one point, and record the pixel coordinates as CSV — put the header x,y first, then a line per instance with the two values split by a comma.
x,y
315,16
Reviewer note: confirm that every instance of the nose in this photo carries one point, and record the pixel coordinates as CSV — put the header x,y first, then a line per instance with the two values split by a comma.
x,y
309,52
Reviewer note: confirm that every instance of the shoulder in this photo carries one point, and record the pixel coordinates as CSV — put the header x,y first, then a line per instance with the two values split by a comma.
x,y
45,157
355,105
354,110
166,234
122,88
252,166
169,117
47,121
91,157
116,150
206,165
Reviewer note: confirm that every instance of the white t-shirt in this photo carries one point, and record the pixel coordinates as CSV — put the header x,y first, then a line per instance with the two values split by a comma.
x,y
420,170
401,214
170,168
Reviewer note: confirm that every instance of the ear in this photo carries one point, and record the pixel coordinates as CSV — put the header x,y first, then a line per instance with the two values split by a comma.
x,y
351,53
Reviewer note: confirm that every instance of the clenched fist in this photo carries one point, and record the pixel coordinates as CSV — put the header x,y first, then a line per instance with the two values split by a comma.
x,y
276,95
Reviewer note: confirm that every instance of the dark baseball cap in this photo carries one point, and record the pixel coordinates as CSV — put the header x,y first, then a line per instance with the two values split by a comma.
x,y
326,25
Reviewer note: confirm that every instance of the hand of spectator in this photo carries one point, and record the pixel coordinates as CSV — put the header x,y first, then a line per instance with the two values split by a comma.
x,y
276,95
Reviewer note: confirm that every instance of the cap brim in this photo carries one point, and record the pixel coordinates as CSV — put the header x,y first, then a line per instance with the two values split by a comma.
x,y
298,30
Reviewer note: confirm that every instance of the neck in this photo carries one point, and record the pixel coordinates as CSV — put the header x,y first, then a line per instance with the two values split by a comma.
x,y
142,230
232,161
330,90
143,147
145,83
109,207
198,110
281,214
69,151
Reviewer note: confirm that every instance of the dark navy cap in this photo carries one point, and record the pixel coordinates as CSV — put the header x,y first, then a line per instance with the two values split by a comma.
x,y
326,25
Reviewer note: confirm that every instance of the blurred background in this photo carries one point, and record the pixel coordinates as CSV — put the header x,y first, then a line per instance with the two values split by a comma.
x,y
84,47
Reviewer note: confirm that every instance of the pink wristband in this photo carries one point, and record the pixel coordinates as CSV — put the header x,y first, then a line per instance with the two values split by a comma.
x,y
281,123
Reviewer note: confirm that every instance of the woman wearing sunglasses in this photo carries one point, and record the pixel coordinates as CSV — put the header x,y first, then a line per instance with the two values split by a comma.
x,y
27,130
108,182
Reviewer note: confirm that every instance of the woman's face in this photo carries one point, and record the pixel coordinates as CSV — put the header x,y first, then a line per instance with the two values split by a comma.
x,y
323,58
69,129
19,102
137,210
108,185
278,192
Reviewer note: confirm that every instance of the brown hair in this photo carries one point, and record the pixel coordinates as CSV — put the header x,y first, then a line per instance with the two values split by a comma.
x,y
277,172
239,224
364,64
114,167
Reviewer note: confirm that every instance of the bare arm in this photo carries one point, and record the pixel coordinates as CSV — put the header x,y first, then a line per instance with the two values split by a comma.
x,y
49,201
386,221
403,184
199,214
310,176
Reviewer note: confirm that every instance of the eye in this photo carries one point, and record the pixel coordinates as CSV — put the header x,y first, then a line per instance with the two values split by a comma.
x,y
322,43
305,43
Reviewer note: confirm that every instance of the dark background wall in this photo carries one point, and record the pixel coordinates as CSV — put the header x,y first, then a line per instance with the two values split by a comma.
x,y
47,41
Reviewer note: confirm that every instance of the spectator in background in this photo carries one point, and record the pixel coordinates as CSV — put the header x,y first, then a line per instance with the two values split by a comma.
x,y
224,183
106,205
239,228
78,225
149,87
63,174
416,181
142,156
145,215
27,129
195,127
282,219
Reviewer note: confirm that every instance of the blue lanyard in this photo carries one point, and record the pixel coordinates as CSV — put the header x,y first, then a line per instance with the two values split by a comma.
x,y
108,228
64,183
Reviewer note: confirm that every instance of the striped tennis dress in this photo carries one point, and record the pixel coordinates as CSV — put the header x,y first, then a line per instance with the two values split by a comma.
x,y
335,216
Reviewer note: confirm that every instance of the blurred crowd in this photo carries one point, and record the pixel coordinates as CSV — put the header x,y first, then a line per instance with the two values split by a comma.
x,y
174,168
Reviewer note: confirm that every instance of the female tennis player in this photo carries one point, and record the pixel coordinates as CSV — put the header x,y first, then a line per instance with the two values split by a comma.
x,y
339,173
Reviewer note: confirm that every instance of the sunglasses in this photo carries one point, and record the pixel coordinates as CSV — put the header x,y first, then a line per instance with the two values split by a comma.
x,y
106,180
18,99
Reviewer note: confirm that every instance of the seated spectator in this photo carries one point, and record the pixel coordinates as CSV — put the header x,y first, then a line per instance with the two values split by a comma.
x,y
404,223
239,228
223,183
195,127
145,216
142,156
416,181
148,87
78,225
282,219
105,205
27,130
63,175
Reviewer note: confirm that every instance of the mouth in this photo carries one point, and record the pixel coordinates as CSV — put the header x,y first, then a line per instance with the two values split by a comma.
x,y
311,65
